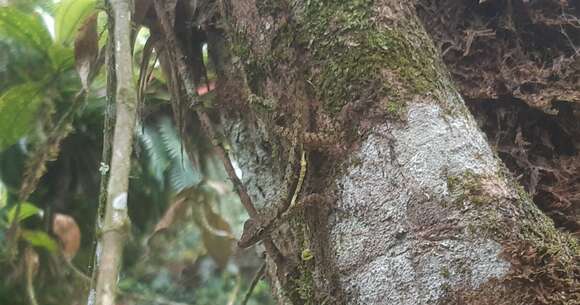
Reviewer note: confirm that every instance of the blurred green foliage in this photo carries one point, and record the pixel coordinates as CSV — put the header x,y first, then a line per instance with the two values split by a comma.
x,y
37,85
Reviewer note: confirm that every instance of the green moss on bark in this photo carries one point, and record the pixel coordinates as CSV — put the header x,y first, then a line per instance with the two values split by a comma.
x,y
468,187
356,57
348,54
304,285
254,69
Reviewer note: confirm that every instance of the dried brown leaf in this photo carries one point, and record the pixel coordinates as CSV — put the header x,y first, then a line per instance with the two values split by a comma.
x,y
144,71
68,233
216,235
174,214
86,49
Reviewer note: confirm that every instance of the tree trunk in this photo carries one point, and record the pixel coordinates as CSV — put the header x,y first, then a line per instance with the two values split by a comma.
x,y
421,210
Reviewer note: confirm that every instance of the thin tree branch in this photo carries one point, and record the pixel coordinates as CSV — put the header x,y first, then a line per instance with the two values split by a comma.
x,y
109,122
81,275
116,222
31,264
253,284
176,52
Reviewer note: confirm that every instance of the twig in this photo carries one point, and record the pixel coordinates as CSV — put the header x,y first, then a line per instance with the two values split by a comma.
x,y
224,157
175,50
109,122
30,258
253,284
116,223
176,53
76,270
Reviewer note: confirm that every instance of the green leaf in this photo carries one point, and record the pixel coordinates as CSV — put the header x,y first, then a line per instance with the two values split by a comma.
x,y
40,239
70,14
62,58
27,209
18,108
3,195
25,29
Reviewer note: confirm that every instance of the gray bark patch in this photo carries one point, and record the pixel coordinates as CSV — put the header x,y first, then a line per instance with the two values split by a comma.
x,y
397,242
260,173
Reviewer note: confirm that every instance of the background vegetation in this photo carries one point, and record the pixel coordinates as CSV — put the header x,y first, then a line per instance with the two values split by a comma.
x,y
52,106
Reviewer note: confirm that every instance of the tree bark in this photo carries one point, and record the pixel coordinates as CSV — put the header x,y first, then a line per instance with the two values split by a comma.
x,y
423,212
115,225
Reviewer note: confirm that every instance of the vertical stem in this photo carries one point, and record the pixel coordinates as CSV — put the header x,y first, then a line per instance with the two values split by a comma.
x,y
108,123
116,222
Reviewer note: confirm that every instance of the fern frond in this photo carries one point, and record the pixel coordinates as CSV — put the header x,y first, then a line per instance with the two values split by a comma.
x,y
158,157
182,175
170,138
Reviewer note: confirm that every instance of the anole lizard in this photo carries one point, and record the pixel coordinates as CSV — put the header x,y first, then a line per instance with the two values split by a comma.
x,y
255,229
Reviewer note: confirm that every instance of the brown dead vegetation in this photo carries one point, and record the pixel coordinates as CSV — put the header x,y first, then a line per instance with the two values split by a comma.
x,y
517,64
